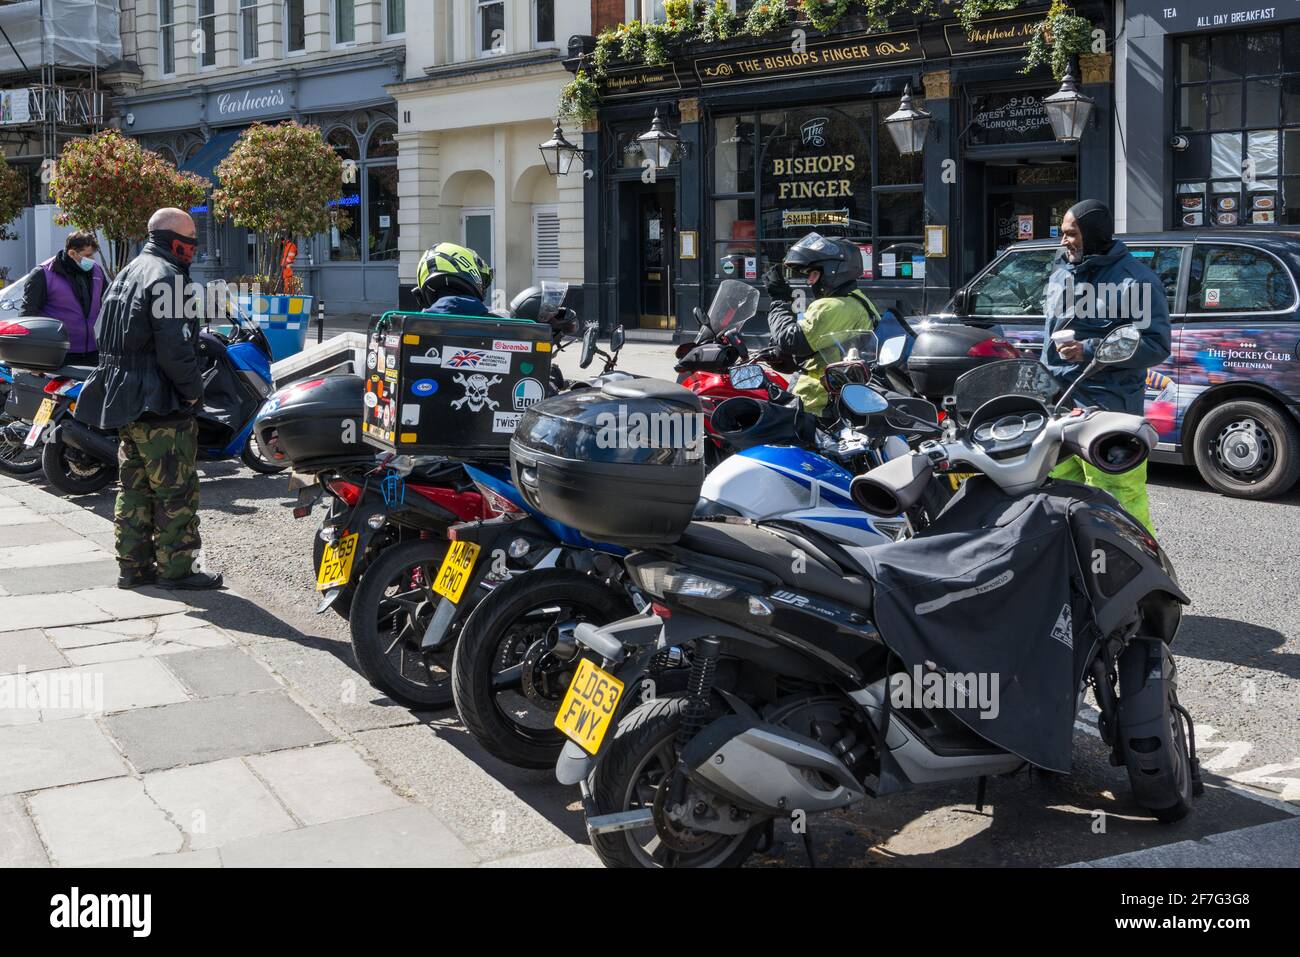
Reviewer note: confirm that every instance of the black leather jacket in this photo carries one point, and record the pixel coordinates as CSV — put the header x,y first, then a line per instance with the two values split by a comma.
x,y
148,351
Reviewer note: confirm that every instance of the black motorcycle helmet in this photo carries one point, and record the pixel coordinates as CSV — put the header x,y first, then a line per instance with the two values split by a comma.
x,y
528,305
838,260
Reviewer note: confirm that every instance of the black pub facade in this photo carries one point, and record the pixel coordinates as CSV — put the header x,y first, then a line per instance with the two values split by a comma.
x,y
781,139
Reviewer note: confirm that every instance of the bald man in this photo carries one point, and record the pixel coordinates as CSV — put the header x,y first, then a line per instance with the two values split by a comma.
x,y
148,387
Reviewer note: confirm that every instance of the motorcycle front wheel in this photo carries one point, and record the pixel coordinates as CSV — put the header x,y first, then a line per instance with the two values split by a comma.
x,y
72,471
391,610
633,775
507,684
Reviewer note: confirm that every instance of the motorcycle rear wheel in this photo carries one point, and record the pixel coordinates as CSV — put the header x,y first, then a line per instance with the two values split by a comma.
x,y
508,631
391,609
252,457
637,765
72,471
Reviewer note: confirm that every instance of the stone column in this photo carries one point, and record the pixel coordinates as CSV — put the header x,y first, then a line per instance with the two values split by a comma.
x,y
419,189
571,189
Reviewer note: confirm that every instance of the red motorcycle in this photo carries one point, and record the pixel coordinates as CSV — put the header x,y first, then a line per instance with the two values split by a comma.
x,y
718,365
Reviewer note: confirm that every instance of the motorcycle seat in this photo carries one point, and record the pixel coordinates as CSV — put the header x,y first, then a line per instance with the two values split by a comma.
x,y
76,373
651,389
778,552
436,473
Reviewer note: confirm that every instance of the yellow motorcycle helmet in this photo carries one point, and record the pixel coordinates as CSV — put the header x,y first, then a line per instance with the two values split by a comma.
x,y
448,269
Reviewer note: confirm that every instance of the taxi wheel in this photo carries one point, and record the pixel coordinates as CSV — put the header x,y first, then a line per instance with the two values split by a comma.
x,y
507,687
1247,449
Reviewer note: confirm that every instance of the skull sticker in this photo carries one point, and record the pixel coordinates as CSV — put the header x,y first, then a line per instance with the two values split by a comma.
x,y
476,391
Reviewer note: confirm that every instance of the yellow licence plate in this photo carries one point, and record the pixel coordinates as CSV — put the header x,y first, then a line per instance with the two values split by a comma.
x,y
588,708
336,563
454,574
956,478
44,412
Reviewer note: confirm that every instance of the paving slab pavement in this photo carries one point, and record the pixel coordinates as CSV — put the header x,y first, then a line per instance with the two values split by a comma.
x,y
137,731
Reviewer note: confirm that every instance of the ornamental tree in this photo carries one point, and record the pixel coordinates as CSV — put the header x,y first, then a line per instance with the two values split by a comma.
x,y
279,182
13,196
109,183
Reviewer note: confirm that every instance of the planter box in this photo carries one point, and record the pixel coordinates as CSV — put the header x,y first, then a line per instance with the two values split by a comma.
x,y
284,320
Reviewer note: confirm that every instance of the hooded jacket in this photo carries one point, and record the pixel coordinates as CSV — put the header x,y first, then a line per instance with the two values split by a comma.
x,y
148,350
1104,291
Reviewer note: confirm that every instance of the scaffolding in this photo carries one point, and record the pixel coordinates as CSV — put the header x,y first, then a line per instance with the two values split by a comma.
x,y
51,56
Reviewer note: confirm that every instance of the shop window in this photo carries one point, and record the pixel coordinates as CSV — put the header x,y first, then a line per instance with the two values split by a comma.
x,y
778,175
345,235
166,37
382,142
248,29
1238,100
295,26
1237,279
345,22
208,32
1014,285
381,195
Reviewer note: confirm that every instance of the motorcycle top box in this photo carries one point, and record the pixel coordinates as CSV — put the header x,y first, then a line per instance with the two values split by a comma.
x,y
623,464
452,385
315,424
945,350
35,343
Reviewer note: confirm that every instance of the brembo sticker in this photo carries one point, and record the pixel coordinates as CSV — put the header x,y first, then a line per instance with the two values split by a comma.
x,y
925,607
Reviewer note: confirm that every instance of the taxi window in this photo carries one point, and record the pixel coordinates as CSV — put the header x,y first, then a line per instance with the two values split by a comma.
x,y
1164,262
1014,285
1237,279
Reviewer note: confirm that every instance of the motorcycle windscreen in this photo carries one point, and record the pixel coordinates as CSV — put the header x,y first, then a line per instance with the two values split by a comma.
x,y
992,595
227,405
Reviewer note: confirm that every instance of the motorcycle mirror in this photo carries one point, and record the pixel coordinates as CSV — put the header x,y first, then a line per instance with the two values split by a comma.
x,y
588,345
1119,346
616,339
861,401
747,377
892,351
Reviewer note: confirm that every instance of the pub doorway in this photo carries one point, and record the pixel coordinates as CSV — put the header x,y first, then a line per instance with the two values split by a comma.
x,y
647,254
1026,200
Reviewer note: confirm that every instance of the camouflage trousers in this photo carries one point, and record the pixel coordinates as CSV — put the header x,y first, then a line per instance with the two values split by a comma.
x,y
157,512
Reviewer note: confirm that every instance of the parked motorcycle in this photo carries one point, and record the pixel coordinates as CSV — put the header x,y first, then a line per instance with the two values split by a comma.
x,y
802,676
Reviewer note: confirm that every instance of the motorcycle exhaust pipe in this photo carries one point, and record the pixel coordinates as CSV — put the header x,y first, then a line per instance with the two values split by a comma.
x,y
94,443
891,489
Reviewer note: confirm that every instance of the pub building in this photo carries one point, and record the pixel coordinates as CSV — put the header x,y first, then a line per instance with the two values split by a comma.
x,y
1209,103
771,143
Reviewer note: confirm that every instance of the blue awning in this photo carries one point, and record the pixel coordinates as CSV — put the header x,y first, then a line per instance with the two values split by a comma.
x,y
205,160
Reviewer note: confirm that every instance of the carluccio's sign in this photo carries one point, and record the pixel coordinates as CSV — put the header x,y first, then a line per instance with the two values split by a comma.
x,y
820,56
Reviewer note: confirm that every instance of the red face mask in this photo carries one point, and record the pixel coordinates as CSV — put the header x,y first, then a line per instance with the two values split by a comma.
x,y
182,247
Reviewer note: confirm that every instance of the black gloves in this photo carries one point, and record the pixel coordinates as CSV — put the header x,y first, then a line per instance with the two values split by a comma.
x,y
775,282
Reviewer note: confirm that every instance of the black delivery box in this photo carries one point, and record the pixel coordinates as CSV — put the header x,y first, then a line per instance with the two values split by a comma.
x,y
452,385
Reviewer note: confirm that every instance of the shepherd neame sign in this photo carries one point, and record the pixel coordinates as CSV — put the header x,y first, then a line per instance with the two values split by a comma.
x,y
267,100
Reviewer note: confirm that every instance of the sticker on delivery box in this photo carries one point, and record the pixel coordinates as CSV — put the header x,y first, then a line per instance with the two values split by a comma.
x,y
478,359
511,345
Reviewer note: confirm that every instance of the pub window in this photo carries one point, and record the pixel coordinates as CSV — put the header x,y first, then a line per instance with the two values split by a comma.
x,y
208,32
295,26
1237,100
345,234
248,29
779,175
166,37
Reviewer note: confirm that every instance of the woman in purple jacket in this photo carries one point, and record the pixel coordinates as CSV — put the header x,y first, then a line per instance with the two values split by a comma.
x,y
69,287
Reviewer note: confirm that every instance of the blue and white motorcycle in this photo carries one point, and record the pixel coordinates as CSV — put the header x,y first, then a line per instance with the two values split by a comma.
x,y
78,459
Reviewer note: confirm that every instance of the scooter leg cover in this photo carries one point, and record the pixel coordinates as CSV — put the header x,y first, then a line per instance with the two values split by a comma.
x,y
1129,488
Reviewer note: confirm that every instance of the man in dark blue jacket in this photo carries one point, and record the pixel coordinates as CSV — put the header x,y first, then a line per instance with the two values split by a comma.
x,y
452,280
1097,286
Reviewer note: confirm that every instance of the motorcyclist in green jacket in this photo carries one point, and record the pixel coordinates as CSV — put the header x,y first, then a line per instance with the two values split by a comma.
x,y
839,317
